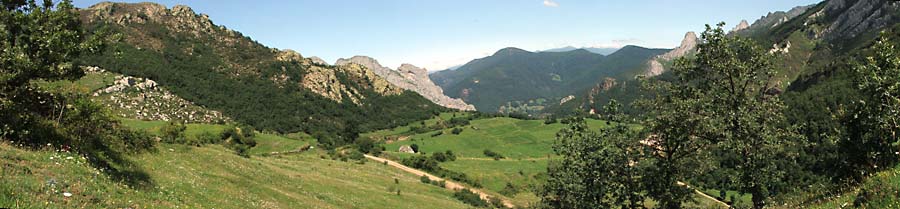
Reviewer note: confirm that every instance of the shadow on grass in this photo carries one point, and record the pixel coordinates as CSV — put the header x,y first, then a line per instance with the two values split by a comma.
x,y
96,143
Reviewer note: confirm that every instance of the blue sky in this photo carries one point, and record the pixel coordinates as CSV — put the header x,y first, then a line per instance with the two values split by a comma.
x,y
437,34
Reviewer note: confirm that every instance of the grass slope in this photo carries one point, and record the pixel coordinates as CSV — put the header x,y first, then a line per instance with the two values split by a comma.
x,y
210,177
525,144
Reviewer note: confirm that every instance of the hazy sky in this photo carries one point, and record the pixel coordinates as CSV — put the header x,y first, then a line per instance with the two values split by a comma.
x,y
437,34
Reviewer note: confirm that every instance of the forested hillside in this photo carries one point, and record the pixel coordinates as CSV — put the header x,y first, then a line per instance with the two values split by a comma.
x,y
226,71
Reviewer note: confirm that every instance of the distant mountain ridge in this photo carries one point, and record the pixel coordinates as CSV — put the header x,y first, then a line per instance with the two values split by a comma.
x,y
597,50
516,75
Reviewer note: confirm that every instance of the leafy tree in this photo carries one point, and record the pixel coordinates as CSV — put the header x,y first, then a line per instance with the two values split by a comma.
x,y
38,42
874,125
731,78
676,124
611,112
597,170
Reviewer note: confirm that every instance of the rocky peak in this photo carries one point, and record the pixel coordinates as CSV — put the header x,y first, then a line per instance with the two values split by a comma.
x,y
288,55
408,68
741,26
317,60
369,63
688,45
408,77
180,18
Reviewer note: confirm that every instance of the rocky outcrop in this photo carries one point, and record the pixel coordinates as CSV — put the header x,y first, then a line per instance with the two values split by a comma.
x,y
325,82
144,99
317,60
741,26
774,19
688,45
408,77
852,18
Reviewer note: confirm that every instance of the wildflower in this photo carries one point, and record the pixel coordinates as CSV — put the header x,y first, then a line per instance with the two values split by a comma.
x,y
66,194
69,158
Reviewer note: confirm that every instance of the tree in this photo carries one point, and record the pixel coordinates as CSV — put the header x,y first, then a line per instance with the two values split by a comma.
x,y
38,42
612,111
677,120
731,80
874,124
597,170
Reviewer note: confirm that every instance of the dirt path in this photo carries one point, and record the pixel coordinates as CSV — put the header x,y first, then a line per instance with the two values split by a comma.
x,y
449,184
705,195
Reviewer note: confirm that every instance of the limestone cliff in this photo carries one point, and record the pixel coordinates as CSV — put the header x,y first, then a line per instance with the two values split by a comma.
x,y
408,77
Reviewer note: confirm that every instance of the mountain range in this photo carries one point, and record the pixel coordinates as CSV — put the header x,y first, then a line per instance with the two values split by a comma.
x,y
513,75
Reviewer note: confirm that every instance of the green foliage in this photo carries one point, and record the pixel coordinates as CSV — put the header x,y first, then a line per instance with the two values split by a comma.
x,y
240,139
492,154
456,131
173,133
874,126
214,74
509,190
727,87
365,145
597,170
415,148
469,197
425,179
430,164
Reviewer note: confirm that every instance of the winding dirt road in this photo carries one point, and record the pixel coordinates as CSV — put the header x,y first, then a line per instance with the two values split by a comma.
x,y
449,184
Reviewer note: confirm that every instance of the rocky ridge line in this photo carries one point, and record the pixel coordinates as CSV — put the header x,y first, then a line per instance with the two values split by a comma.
x,y
411,78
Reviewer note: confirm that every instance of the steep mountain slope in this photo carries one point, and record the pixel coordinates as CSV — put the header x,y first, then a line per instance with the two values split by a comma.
x,y
226,71
512,75
656,65
411,78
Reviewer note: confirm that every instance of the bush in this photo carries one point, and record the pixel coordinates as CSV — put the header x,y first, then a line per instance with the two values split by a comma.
x,y
173,133
239,139
492,154
469,197
425,179
456,131
435,134
509,190
415,147
450,155
365,145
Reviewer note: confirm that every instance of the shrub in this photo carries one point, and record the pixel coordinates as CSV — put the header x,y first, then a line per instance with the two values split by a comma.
x,y
492,154
365,145
425,179
450,155
173,133
415,147
469,197
509,190
456,131
435,134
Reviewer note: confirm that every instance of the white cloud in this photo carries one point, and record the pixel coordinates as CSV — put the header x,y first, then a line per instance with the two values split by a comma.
x,y
550,3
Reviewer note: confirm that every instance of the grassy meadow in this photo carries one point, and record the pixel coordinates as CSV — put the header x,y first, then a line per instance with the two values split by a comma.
x,y
181,176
